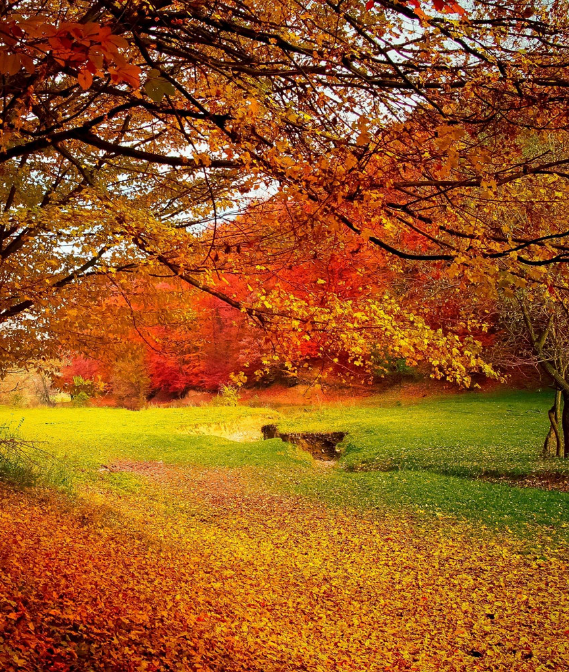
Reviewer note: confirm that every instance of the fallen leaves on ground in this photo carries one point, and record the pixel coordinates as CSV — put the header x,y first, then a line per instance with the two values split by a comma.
x,y
204,570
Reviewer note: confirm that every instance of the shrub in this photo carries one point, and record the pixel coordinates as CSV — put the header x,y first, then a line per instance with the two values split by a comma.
x,y
17,400
130,382
228,396
89,387
385,364
81,399
24,464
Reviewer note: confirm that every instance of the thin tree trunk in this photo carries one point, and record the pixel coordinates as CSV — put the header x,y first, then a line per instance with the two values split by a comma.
x,y
565,424
45,392
553,445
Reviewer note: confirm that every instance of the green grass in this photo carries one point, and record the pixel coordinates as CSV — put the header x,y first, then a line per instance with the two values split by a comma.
x,y
87,439
427,458
24,464
463,435
523,511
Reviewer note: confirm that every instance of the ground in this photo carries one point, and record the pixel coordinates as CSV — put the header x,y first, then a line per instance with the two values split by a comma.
x,y
169,546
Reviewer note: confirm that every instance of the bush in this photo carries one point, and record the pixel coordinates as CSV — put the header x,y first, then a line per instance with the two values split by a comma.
x,y
396,368
228,396
81,399
130,382
91,388
17,400
24,464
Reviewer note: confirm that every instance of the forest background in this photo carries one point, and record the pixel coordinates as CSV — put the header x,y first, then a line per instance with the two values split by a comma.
x,y
201,195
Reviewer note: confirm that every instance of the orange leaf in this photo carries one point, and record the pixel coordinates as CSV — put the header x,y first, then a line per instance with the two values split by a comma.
x,y
28,64
9,63
85,79
127,73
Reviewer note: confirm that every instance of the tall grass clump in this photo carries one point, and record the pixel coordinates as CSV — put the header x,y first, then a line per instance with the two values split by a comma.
x,y
228,395
23,463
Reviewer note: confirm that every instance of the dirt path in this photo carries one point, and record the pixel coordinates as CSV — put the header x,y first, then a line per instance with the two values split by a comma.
x,y
544,481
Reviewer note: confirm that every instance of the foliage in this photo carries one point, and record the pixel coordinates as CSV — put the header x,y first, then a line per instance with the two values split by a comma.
x,y
86,370
87,387
23,463
332,326
384,364
80,399
444,159
17,399
179,348
203,353
228,396
81,375
129,381
254,576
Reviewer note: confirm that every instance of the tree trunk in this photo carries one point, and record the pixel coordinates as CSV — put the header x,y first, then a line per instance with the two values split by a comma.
x,y
46,396
553,445
565,423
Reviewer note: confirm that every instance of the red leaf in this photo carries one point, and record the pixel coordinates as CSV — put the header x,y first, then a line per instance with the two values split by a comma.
x,y
448,6
458,9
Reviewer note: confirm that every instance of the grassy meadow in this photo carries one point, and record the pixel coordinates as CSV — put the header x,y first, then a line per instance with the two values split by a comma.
x,y
456,455
235,553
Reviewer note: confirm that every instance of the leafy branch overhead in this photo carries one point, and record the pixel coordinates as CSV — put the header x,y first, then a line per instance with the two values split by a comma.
x,y
149,138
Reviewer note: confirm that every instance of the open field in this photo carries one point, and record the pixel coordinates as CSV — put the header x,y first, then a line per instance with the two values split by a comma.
x,y
182,542
441,456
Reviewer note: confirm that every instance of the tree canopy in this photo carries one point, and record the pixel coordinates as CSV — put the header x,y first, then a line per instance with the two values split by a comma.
x,y
146,138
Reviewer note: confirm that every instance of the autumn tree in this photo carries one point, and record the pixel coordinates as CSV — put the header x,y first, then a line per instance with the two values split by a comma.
x,y
129,127
182,338
537,327
332,306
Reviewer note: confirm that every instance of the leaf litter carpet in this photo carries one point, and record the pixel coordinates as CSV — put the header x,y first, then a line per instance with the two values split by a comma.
x,y
209,570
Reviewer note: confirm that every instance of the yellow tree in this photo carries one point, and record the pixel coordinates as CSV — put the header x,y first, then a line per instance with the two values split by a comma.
x,y
129,126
